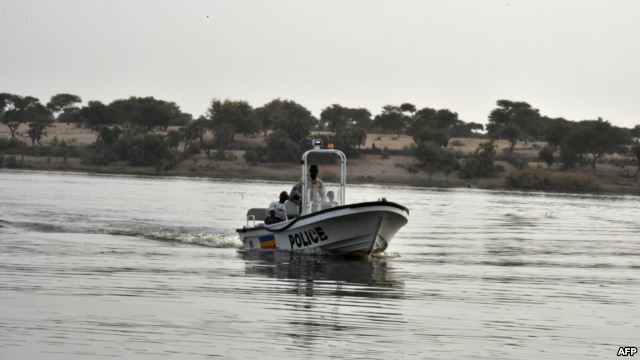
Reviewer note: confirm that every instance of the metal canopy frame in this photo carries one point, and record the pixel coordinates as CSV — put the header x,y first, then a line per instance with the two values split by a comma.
x,y
305,204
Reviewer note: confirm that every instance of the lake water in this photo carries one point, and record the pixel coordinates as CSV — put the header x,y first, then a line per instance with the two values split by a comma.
x,y
95,266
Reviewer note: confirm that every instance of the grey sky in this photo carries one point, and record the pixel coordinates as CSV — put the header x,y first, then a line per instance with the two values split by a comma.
x,y
576,59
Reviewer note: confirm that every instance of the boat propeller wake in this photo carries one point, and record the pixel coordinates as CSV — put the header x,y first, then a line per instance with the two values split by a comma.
x,y
178,235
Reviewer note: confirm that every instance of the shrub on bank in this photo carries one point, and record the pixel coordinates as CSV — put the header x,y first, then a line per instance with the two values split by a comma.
x,y
192,149
480,163
98,154
252,157
538,179
519,162
11,162
138,150
150,149
221,155
59,150
11,143
280,148
4,143
546,155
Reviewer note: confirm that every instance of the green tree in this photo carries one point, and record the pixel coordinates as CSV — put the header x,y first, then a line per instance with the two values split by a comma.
x,y
108,136
36,133
268,114
63,107
448,163
254,155
480,163
173,138
348,139
193,131
595,138
202,124
517,113
229,118
104,122
421,119
407,107
555,131
392,119
445,118
360,117
433,125
150,149
148,112
568,155
293,119
435,157
281,148
546,154
96,115
338,117
431,133
69,116
182,120
462,129
8,109
512,133
16,110
40,118
428,153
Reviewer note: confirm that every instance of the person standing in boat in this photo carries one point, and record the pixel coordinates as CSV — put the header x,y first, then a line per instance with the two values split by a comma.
x,y
277,210
315,187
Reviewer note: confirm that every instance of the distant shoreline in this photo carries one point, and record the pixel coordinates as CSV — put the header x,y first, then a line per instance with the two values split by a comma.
x,y
395,168
288,173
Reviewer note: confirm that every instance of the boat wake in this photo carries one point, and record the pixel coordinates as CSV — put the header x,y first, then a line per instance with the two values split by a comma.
x,y
201,239
179,235
33,226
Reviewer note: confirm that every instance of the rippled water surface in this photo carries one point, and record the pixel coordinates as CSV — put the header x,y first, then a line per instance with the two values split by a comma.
x,y
149,268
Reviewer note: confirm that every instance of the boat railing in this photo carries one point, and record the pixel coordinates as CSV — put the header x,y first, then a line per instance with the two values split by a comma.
x,y
323,205
256,214
306,203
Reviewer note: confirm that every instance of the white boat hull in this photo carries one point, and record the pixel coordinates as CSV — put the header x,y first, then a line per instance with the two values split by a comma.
x,y
363,228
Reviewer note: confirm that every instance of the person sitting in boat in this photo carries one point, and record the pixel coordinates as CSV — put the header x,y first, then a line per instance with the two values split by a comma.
x,y
277,210
315,185
331,196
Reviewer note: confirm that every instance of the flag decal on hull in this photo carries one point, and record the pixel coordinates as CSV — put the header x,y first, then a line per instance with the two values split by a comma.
x,y
267,242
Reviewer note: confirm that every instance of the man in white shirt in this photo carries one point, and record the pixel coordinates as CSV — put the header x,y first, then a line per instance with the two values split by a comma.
x,y
277,210
315,187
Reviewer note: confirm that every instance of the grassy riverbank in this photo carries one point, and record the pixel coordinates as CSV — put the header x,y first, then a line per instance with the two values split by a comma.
x,y
397,166
370,169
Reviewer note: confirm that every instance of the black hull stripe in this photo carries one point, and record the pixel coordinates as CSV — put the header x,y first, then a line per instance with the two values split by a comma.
x,y
349,206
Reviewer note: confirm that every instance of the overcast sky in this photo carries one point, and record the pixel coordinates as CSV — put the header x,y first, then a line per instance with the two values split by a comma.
x,y
579,59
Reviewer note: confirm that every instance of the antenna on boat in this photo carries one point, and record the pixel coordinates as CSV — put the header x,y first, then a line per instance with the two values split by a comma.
x,y
317,143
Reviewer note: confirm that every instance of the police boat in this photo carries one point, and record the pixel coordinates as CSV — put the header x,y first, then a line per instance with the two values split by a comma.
x,y
320,225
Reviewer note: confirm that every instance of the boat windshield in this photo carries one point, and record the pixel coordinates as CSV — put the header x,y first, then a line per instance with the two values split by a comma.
x,y
315,199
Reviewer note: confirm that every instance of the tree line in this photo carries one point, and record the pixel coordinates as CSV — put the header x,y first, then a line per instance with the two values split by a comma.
x,y
577,142
134,130
289,124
